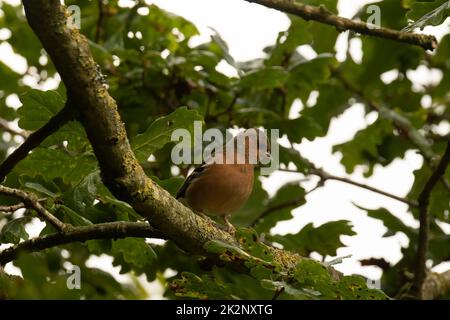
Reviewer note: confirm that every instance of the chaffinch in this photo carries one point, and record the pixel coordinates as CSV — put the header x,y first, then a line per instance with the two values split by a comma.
x,y
221,186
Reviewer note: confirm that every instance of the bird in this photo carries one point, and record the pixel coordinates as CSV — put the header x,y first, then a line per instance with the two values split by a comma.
x,y
220,186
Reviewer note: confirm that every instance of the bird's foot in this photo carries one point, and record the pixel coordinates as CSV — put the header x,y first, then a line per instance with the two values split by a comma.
x,y
201,214
229,227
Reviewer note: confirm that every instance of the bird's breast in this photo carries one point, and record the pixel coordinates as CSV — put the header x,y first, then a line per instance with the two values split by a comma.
x,y
221,190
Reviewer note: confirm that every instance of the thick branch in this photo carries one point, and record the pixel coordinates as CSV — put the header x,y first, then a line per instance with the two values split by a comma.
x,y
323,15
424,219
436,285
31,201
110,230
35,139
121,172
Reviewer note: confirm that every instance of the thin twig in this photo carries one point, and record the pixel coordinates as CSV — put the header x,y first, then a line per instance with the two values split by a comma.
x,y
18,206
424,199
379,262
31,201
323,15
35,139
326,176
110,230
293,203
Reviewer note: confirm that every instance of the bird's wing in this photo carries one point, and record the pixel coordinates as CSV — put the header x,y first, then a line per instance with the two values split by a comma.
x,y
194,175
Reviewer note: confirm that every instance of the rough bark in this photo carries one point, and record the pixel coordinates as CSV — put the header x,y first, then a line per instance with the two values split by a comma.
x,y
121,173
323,15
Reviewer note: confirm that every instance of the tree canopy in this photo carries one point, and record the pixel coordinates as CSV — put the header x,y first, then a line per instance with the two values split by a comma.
x,y
130,76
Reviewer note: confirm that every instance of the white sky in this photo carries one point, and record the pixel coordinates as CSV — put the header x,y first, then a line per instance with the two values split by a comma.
x,y
248,28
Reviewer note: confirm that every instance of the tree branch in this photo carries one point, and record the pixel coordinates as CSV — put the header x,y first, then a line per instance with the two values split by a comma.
x,y
323,15
110,230
424,199
324,176
31,201
436,285
121,172
293,203
16,207
35,139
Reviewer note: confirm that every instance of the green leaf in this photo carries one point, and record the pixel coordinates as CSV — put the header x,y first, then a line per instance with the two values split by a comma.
x,y
9,78
314,276
81,198
289,197
333,100
324,239
56,163
267,78
171,185
40,188
426,13
363,148
290,155
391,222
224,248
23,40
218,284
14,231
40,185
73,218
298,294
439,249
72,135
439,202
297,129
159,132
38,107
120,207
442,52
134,251
223,47
306,75
256,204
288,41
355,287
